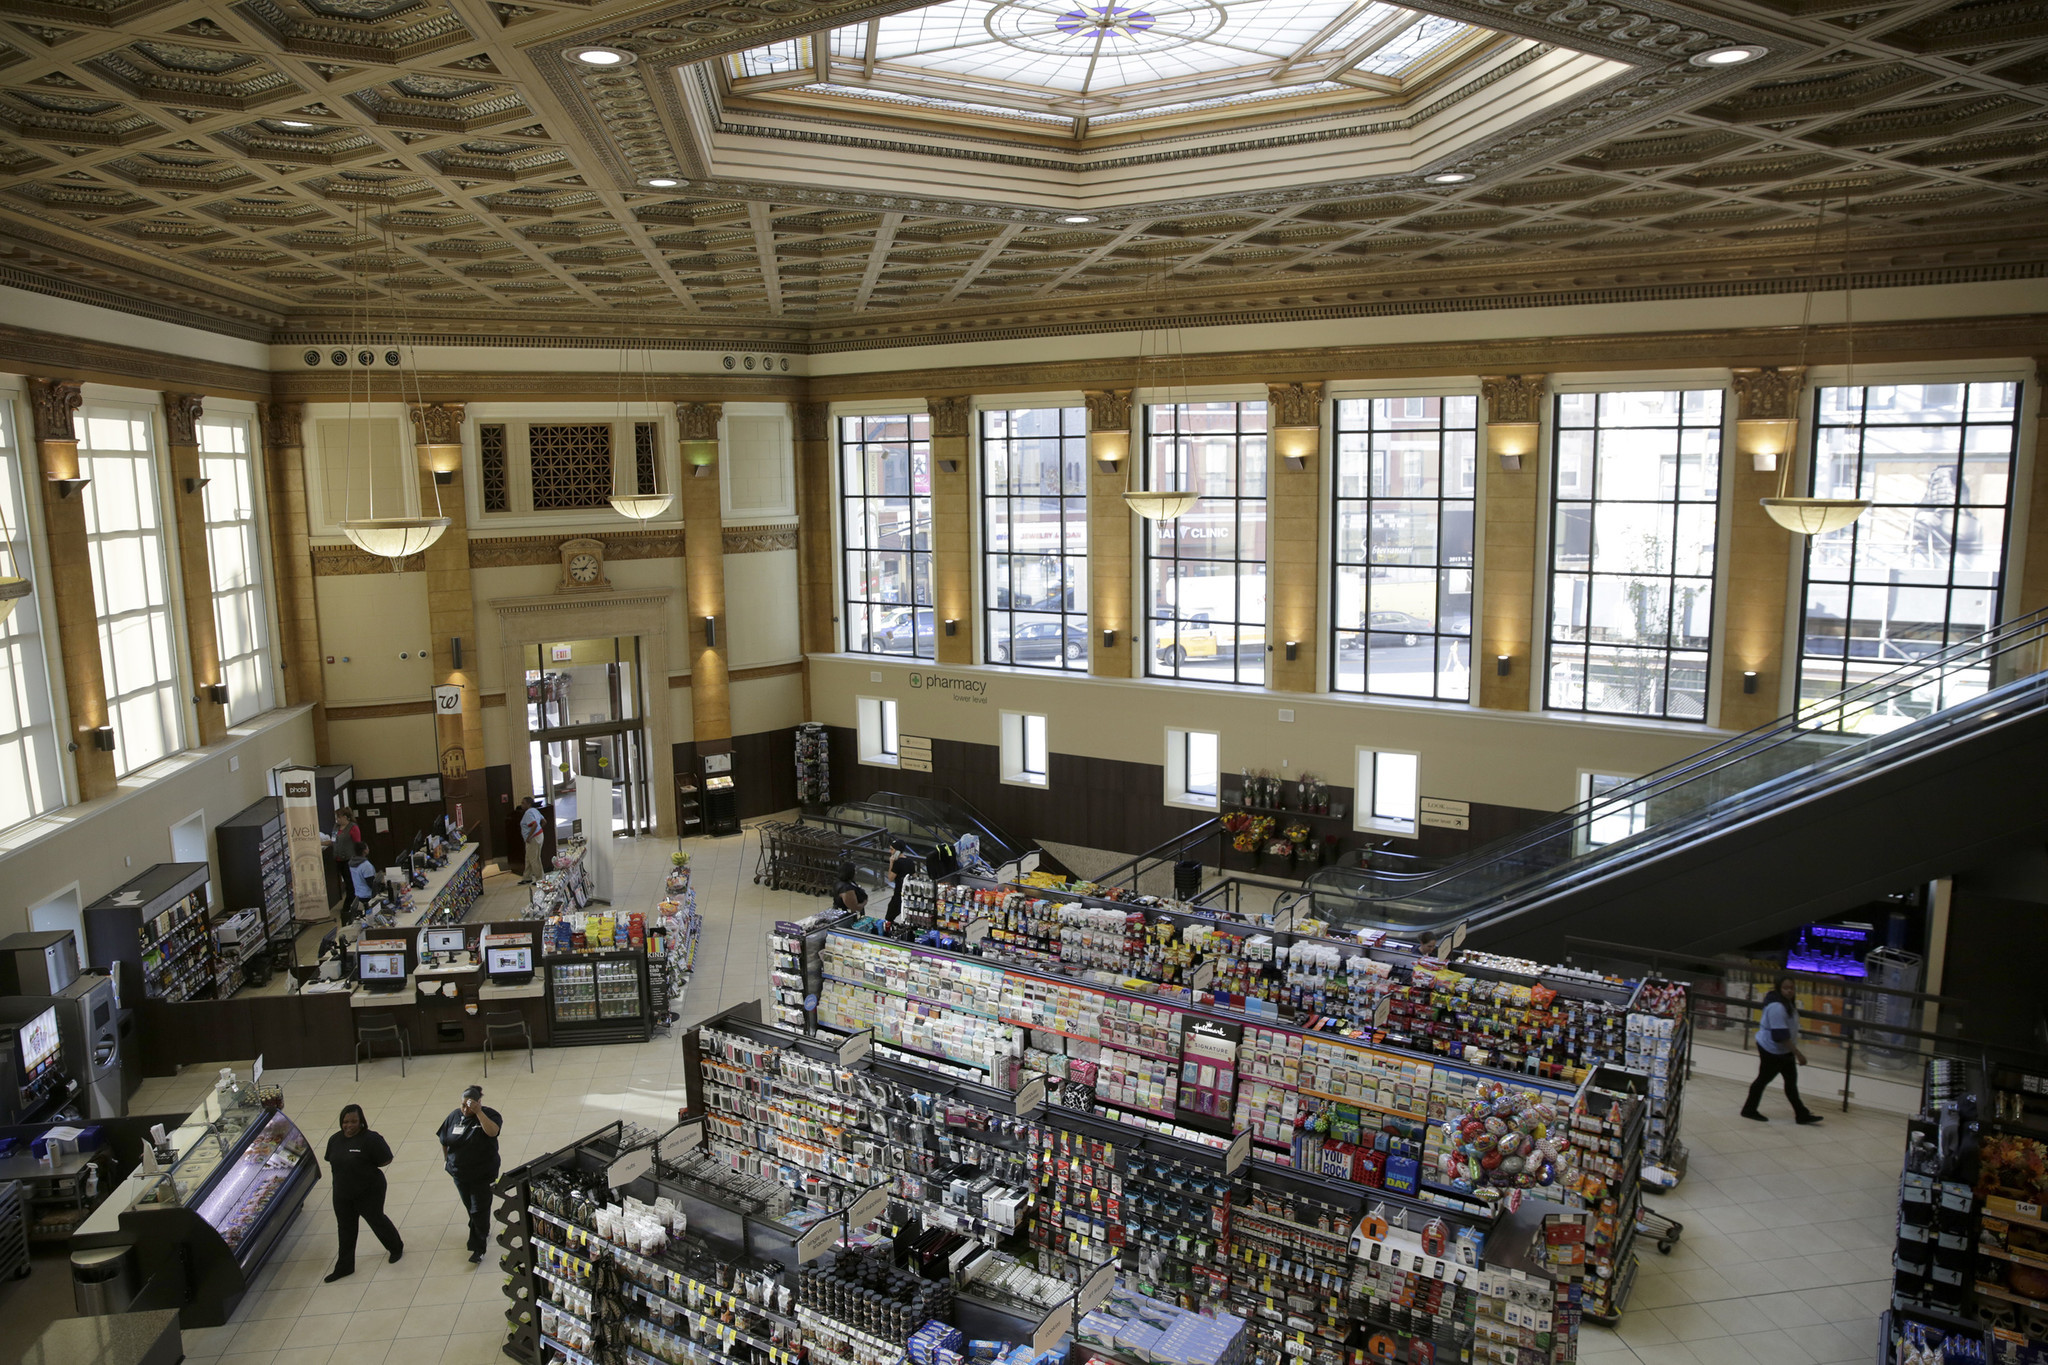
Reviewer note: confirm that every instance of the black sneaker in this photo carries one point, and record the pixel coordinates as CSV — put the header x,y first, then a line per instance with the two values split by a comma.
x,y
1752,1114
399,1254
1807,1118
334,1275
476,1258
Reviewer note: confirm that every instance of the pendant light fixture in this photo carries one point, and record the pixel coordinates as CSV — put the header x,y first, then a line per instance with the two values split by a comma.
x,y
1164,504
637,505
1810,516
392,538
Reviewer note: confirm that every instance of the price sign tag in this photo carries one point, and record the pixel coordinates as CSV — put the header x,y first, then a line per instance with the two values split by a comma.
x,y
2026,1210
1030,1095
856,1047
1240,1152
1096,1290
685,1136
819,1240
1380,1011
1054,1329
1202,976
629,1167
976,931
1457,939
868,1207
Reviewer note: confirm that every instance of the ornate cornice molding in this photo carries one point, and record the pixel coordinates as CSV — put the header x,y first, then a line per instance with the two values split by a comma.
x,y
25,350
182,412
476,386
747,540
1295,405
282,424
698,421
583,603
505,552
1771,392
813,421
1513,397
951,415
436,424
53,402
1108,409
342,561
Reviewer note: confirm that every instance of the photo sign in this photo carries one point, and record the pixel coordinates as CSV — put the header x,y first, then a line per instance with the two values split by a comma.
x,y
302,839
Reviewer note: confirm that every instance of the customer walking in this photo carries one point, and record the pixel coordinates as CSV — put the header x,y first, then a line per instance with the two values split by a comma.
x,y
533,828
356,1158
469,1138
362,877
902,862
1778,1054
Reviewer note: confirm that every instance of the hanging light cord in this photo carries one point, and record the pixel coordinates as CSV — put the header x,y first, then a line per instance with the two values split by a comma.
x,y
1806,328
412,355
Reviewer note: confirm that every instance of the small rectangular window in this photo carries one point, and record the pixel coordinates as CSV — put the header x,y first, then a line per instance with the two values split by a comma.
x,y
1606,821
643,456
1023,749
878,743
1389,787
490,450
1192,766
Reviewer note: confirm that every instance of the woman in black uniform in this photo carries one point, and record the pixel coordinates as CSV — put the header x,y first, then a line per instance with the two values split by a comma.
x,y
356,1157
902,862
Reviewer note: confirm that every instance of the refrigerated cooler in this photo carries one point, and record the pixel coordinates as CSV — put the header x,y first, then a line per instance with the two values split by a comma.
x,y
193,1236
599,998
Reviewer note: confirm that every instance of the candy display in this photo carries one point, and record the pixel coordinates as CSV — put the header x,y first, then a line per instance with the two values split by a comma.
x,y
1506,1142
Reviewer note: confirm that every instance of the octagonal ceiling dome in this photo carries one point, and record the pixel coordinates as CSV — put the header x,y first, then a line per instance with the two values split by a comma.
x,y
1087,105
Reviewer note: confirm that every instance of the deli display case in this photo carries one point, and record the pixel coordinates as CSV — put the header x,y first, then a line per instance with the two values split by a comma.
x,y
193,1236
601,997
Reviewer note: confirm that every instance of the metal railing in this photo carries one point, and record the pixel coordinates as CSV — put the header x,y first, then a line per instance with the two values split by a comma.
x,y
1179,848
1863,727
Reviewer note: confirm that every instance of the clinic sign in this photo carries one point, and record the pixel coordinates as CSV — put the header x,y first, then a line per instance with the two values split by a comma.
x,y
974,690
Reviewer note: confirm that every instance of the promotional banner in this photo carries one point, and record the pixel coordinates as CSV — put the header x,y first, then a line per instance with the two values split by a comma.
x,y
302,834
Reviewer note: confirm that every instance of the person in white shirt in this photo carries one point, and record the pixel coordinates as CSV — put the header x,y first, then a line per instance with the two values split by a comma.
x,y
533,829
1778,1054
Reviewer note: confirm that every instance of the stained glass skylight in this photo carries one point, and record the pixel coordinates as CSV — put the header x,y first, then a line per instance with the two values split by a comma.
x,y
1081,59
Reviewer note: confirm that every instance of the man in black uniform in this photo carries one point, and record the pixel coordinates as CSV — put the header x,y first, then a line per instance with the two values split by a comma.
x,y
469,1138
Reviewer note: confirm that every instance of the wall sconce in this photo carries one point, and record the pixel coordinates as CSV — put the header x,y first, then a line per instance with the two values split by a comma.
x,y
702,457
194,485
1765,438
66,487
217,693
1293,648
1502,663
711,632
949,466
455,649
1749,680
1295,445
1109,449
444,458
1109,639
952,626
1513,442
103,738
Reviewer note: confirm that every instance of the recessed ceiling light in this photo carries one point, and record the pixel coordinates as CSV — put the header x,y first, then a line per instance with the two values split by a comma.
x,y
1728,56
664,182
601,56
1449,178
1078,218
293,123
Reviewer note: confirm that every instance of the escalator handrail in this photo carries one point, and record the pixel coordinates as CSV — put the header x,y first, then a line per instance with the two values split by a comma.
x,y
1597,861
2026,630
1179,843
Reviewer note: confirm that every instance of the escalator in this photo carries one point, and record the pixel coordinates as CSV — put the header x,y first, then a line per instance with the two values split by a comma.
x,y
924,821
1918,773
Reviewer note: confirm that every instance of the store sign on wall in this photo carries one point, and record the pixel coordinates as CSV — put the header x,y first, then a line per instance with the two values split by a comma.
x,y
959,689
914,753
1442,814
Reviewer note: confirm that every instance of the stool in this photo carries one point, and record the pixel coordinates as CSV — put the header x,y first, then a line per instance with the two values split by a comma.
x,y
511,1025
372,1027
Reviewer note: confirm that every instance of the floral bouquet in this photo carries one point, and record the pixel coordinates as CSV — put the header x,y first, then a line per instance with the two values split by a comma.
x,y
1297,833
1237,821
1280,848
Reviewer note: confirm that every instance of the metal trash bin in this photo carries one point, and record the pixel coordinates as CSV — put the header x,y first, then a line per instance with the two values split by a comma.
x,y
104,1280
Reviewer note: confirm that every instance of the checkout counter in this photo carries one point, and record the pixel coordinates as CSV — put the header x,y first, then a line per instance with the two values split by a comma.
x,y
191,1234
438,983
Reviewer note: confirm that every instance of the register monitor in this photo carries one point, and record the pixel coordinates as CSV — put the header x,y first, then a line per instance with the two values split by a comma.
x,y
381,970
508,961
445,941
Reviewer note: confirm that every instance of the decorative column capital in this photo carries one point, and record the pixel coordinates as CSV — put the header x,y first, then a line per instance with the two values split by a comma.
x,y
437,424
698,421
1294,405
1513,397
1108,409
949,415
53,401
1769,393
182,412
282,423
813,421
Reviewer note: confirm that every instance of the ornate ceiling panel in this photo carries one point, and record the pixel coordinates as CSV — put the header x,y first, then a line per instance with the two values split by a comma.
x,y
288,168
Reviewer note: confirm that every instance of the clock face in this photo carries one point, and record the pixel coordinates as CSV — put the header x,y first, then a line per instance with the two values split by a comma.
x,y
583,567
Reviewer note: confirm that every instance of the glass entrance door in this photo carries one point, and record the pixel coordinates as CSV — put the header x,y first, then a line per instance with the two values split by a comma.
x,y
585,718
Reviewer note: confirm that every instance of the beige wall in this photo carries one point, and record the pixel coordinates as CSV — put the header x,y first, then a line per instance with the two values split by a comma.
x,y
103,843
1499,758
761,611
767,703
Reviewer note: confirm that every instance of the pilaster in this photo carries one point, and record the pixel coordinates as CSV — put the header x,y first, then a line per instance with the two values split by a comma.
x,y
1109,533
816,590
1759,555
53,403
182,412
1294,424
704,576
1507,590
451,609
291,558
953,576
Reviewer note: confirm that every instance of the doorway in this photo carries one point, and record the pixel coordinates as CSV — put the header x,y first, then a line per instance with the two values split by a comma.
x,y
586,716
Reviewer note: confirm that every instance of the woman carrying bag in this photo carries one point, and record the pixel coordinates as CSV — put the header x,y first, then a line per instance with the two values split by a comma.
x,y
356,1158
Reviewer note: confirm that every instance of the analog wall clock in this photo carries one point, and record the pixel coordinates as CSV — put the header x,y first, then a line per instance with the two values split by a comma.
x,y
583,566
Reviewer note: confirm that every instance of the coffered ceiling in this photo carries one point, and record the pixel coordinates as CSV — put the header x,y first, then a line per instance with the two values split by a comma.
x,y
848,173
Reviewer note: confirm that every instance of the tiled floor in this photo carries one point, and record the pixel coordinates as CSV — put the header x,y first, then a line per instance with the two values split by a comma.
x,y
1784,1259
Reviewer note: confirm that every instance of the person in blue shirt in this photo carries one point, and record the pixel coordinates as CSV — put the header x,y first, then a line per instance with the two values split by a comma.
x,y
1778,1054
362,878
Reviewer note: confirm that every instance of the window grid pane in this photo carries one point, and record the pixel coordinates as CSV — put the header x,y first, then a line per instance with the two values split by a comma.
x,y
124,539
1925,566
1034,466
1634,519
241,612
886,507
1401,538
1205,572
1394,786
31,781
